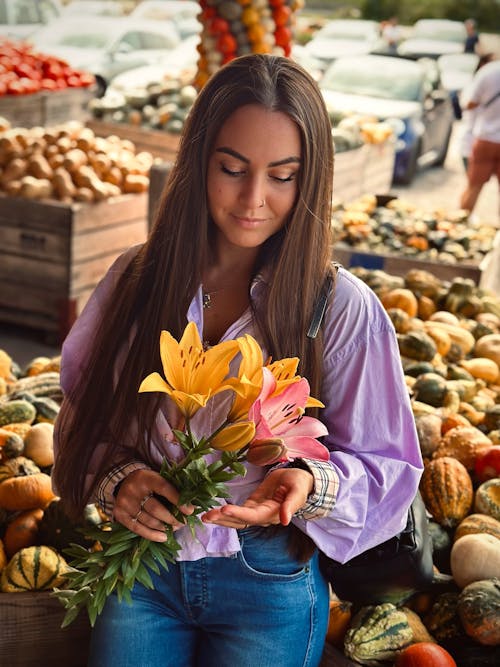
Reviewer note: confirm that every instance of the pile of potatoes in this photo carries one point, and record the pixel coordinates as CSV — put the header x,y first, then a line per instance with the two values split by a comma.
x,y
69,163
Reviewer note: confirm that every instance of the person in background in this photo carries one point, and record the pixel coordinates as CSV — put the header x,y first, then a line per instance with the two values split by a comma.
x,y
391,33
472,39
468,116
241,244
484,160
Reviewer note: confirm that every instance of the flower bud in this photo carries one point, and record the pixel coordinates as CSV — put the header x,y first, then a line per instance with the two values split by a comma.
x,y
266,452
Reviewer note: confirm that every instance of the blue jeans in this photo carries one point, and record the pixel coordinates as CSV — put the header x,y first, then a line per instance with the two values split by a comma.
x,y
258,608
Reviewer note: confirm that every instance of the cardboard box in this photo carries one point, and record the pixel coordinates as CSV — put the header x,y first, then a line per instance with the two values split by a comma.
x,y
52,255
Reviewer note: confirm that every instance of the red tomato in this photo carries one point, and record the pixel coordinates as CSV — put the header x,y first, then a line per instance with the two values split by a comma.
x,y
3,88
425,654
282,14
48,84
227,43
218,25
487,464
15,88
73,81
282,36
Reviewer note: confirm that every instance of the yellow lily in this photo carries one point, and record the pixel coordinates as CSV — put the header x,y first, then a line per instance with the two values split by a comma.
x,y
233,437
285,373
248,384
192,375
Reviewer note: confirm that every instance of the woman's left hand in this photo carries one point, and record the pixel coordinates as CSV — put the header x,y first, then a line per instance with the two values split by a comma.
x,y
274,501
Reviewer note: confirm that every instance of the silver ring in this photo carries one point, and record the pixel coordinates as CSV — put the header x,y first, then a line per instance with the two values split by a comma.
x,y
136,517
145,500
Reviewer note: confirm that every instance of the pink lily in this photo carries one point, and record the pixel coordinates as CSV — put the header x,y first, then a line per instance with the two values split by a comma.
x,y
280,422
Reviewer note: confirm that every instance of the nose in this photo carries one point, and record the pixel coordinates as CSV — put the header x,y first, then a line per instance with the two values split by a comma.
x,y
253,193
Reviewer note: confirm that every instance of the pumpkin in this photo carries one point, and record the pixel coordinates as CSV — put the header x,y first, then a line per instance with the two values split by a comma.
x,y
459,336
475,557
479,611
400,319
22,531
487,498
426,307
377,633
442,620
39,444
57,530
446,489
18,466
3,556
425,654
403,298
488,346
453,419
487,464
492,418
11,444
429,433
339,617
441,338
417,345
481,368
423,282
463,443
24,493
477,523
430,388
420,632
444,316
35,568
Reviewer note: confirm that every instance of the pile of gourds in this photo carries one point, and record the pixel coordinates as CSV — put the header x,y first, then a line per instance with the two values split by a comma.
x,y
233,28
399,227
449,340
69,163
34,528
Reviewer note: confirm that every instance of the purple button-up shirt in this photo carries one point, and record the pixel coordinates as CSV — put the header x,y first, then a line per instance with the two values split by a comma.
x,y
372,437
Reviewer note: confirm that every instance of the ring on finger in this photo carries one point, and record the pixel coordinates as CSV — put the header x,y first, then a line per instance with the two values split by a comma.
x,y
145,500
136,517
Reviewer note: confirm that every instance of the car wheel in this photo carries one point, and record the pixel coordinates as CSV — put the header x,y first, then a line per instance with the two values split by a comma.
x,y
411,170
442,155
101,85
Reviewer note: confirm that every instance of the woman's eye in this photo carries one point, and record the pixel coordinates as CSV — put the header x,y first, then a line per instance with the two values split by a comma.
x,y
231,172
284,179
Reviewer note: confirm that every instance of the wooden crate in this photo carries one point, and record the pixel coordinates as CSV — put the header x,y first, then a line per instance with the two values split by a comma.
x,y
160,144
399,265
52,255
31,633
364,170
47,107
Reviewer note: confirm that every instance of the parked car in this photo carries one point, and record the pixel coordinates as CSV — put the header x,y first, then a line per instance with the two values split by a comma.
x,y
20,18
400,92
345,37
433,38
94,7
108,46
182,12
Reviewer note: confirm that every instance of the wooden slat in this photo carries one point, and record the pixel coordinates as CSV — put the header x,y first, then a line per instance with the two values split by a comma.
x,y
109,240
157,142
43,244
112,211
31,633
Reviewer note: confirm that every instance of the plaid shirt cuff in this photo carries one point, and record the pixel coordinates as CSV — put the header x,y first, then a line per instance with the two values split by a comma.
x,y
321,500
105,492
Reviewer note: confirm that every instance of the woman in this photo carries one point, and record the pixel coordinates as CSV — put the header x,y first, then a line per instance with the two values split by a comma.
x,y
241,244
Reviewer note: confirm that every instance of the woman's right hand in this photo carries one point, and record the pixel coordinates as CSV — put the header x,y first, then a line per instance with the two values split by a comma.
x,y
138,510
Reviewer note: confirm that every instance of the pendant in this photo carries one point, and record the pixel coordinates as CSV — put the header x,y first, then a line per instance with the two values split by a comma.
x,y
207,301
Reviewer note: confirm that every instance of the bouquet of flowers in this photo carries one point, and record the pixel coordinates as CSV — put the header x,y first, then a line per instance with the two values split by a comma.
x,y
264,424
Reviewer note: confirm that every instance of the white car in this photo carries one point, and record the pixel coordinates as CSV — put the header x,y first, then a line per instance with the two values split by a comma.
x,y
345,37
431,38
182,12
94,8
107,46
20,18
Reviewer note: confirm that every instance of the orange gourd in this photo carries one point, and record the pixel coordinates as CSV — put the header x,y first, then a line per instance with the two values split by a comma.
x,y
22,531
28,492
338,621
425,654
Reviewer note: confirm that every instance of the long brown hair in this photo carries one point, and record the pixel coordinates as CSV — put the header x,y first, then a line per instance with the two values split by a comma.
x,y
155,290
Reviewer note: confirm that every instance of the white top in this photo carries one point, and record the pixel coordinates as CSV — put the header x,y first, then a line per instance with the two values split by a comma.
x,y
484,86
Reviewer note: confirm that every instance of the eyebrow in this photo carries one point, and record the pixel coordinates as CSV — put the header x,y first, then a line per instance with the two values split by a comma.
x,y
238,156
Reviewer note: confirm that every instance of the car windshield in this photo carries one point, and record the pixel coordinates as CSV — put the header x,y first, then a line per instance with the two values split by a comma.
x,y
82,39
351,31
391,80
445,33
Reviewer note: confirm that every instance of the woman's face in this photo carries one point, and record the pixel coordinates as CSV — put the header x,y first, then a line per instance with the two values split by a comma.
x,y
252,176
